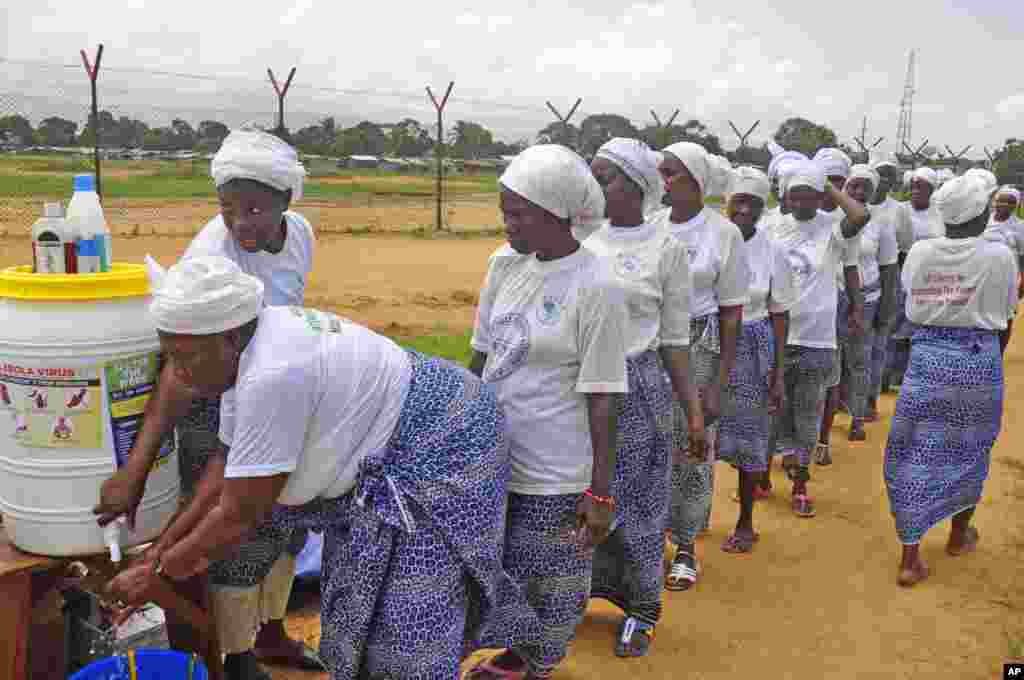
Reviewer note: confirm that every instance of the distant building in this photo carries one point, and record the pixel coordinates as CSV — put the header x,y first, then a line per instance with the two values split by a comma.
x,y
359,161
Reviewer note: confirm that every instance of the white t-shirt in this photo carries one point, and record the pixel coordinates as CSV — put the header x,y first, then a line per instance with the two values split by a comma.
x,y
315,395
815,254
553,332
718,263
284,274
851,246
653,270
771,277
1010,232
886,210
911,225
878,249
960,283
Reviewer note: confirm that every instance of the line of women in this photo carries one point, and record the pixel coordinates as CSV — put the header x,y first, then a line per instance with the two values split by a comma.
x,y
481,509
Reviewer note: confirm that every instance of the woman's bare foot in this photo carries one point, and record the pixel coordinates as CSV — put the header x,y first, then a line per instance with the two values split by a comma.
x,y
913,574
962,542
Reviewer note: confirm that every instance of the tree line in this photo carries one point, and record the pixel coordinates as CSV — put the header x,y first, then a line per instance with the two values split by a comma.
x,y
410,138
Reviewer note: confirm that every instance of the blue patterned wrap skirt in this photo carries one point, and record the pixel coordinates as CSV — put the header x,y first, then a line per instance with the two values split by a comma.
x,y
629,566
412,557
745,426
948,416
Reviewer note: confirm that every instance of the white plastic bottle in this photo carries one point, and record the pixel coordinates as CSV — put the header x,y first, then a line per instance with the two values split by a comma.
x,y
86,214
49,234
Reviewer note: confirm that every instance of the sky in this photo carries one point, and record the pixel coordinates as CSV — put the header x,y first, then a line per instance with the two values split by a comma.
x,y
833,63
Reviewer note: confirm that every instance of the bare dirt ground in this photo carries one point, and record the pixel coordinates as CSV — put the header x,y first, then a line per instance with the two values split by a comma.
x,y
360,213
817,598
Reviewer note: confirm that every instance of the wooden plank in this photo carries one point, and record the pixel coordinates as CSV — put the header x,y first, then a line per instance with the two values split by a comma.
x,y
16,594
13,560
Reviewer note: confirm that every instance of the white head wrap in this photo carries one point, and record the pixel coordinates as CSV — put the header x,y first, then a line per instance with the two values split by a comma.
x,y
750,181
861,171
985,176
202,296
804,173
835,162
962,199
774,148
710,172
1007,190
558,180
640,163
252,154
926,175
719,177
884,159
783,159
945,174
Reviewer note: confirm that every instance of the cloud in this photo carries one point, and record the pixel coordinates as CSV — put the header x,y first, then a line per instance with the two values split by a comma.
x,y
1012,107
977,120
468,20
297,12
718,61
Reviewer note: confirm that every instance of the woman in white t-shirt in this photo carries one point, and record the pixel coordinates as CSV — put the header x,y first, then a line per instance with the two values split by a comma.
x,y
756,383
915,221
718,269
962,298
1005,226
653,271
876,256
258,177
850,311
550,337
815,252
400,459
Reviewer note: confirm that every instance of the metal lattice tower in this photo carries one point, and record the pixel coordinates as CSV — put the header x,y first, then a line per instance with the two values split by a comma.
x,y
904,132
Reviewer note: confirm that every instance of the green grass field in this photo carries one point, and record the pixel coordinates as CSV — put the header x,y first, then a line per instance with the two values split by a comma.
x,y
441,344
34,176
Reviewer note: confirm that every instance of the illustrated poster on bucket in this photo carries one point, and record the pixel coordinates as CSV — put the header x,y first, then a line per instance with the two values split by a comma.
x,y
130,382
52,406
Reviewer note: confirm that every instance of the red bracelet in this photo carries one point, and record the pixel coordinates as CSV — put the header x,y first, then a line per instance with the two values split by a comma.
x,y
604,500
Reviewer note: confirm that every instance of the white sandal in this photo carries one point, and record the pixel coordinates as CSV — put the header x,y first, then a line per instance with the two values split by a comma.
x,y
682,576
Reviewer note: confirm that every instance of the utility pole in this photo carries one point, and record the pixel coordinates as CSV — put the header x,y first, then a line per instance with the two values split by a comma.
x,y
743,136
659,140
281,93
865,148
93,71
991,159
439,151
916,156
957,156
564,120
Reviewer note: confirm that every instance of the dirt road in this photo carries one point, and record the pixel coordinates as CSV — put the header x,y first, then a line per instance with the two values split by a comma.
x,y
817,599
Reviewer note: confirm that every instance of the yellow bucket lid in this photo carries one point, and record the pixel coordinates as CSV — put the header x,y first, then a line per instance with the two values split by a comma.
x,y
122,281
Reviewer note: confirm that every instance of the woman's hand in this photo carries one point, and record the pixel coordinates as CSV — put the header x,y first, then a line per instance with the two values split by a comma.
x,y
121,495
776,391
698,444
593,521
134,586
711,401
856,320
178,565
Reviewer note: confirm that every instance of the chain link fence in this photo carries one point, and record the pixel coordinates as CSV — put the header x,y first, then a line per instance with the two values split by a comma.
x,y
155,158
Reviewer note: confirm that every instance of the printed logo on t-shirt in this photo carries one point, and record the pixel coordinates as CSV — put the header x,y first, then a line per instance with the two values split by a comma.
x,y
629,266
549,311
510,346
799,263
321,322
691,253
